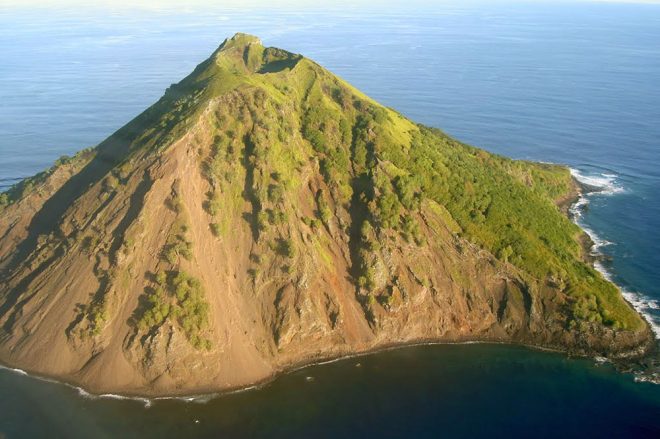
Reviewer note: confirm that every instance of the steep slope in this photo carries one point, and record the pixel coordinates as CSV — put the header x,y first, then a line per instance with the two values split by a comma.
x,y
263,214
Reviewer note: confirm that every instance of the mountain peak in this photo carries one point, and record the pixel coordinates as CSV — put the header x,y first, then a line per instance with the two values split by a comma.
x,y
244,51
241,40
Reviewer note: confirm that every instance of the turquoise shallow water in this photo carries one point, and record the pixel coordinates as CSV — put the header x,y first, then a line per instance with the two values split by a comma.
x,y
576,84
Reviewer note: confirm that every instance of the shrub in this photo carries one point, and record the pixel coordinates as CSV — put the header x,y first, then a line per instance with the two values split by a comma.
x,y
180,247
411,230
212,206
110,183
176,204
285,247
177,243
388,210
407,192
262,220
89,243
124,170
275,193
324,213
216,229
177,296
505,253
63,160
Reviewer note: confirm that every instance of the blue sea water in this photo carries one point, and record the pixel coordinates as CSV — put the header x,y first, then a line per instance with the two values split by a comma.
x,y
575,83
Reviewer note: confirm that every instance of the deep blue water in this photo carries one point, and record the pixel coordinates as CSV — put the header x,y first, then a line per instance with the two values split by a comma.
x,y
463,391
574,83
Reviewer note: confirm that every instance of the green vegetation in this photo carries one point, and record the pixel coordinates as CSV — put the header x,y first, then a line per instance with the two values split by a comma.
x,y
286,248
178,246
213,205
216,229
97,315
324,213
175,202
4,200
393,168
276,217
111,183
411,231
368,246
90,319
177,297
90,242
512,216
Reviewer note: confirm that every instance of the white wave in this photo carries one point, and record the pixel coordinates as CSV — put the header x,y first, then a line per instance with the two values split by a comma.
x,y
597,241
11,369
644,306
81,392
576,211
606,182
85,394
647,378
146,401
204,399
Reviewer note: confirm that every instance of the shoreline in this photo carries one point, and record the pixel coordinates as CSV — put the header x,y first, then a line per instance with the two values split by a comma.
x,y
647,367
588,240
570,206
205,396
566,204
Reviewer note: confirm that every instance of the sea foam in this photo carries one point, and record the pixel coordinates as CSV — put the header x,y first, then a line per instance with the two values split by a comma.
x,y
607,183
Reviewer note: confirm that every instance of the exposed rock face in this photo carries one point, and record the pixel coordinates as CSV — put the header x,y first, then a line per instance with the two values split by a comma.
x,y
261,215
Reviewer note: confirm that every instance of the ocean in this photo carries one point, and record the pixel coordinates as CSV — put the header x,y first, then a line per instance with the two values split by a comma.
x,y
576,83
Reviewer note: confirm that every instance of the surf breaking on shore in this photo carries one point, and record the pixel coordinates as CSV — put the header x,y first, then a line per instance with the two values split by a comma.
x,y
606,184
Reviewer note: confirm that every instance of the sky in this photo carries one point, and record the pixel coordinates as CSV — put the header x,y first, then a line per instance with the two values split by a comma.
x,y
157,4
